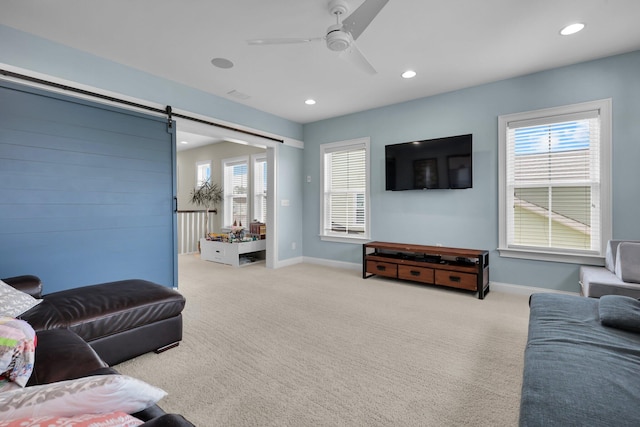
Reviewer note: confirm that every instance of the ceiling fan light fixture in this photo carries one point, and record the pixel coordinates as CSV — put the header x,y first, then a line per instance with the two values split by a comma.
x,y
409,74
572,29
338,40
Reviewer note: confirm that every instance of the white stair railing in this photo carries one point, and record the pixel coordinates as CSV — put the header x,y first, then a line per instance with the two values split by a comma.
x,y
190,230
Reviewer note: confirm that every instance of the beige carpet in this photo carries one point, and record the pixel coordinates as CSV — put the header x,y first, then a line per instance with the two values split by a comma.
x,y
310,345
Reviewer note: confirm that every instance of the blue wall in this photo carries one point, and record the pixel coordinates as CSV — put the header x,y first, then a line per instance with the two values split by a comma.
x,y
469,218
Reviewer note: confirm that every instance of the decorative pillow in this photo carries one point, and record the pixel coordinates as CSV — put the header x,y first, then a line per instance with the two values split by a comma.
x,y
14,302
610,255
119,419
628,262
620,312
97,394
17,351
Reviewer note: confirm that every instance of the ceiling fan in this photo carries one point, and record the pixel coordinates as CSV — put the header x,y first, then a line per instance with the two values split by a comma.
x,y
341,36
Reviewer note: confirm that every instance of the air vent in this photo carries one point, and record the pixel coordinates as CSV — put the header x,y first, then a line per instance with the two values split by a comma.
x,y
239,95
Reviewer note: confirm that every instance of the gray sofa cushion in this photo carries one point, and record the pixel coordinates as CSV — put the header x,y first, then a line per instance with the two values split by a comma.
x,y
628,262
620,312
576,371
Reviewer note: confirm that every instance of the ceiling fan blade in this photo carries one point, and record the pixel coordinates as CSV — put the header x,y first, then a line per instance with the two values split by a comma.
x,y
353,55
362,17
258,42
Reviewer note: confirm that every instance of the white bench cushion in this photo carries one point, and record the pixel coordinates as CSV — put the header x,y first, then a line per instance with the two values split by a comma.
x,y
598,281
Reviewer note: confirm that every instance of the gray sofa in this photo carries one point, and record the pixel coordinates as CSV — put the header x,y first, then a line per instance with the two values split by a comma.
x,y
619,276
582,362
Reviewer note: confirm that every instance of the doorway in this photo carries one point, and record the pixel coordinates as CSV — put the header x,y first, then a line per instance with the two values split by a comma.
x,y
208,143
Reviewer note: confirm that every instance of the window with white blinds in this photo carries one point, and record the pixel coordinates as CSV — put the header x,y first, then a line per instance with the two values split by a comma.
x,y
554,181
235,192
260,189
345,190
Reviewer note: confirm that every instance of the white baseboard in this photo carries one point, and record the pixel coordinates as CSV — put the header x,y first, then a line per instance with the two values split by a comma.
x,y
332,263
288,262
524,290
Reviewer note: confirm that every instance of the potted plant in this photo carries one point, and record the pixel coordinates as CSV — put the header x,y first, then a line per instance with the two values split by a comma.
x,y
208,195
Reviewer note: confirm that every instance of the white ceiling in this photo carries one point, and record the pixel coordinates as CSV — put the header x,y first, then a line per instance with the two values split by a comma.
x,y
188,140
451,44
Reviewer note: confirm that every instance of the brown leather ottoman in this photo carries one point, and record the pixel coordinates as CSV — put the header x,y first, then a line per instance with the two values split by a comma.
x,y
120,320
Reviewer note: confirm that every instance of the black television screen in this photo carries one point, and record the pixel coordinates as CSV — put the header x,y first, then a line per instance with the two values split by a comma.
x,y
429,164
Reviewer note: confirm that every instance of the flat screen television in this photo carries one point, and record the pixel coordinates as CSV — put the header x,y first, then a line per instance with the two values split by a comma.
x,y
429,164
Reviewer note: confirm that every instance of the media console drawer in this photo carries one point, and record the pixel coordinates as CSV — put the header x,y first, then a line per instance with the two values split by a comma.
x,y
419,274
455,279
382,268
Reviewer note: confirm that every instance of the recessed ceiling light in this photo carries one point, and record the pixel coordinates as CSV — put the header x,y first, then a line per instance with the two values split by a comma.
x,y
571,29
184,142
221,63
409,74
310,101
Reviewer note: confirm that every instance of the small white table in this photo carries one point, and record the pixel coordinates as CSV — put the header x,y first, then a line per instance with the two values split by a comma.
x,y
235,253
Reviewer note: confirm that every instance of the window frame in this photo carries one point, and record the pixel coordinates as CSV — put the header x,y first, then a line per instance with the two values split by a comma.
x,y
257,184
345,146
228,205
604,108
200,163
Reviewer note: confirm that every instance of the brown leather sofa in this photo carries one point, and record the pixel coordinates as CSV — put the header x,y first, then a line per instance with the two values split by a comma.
x,y
96,326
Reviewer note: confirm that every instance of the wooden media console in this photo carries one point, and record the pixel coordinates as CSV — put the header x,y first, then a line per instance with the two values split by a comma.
x,y
452,267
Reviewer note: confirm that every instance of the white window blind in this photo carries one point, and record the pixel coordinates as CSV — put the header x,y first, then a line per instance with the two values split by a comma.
x,y
553,182
235,192
345,191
